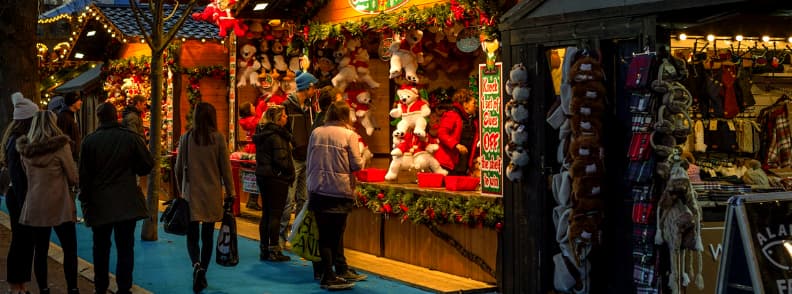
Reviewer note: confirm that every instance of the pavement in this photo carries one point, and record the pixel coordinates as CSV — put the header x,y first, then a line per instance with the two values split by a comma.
x,y
163,266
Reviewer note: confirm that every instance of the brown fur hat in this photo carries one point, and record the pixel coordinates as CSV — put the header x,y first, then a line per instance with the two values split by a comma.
x,y
585,125
586,107
587,187
588,204
586,167
584,229
593,90
585,69
585,147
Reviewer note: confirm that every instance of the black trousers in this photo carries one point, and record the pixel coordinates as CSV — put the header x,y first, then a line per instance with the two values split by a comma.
x,y
67,235
124,234
331,247
20,252
201,254
273,199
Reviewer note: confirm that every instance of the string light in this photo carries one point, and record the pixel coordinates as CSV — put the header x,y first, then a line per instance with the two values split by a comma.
x,y
765,38
710,37
739,38
682,37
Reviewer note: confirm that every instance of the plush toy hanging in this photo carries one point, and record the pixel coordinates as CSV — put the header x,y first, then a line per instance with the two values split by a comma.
x,y
407,53
358,101
248,66
517,113
219,13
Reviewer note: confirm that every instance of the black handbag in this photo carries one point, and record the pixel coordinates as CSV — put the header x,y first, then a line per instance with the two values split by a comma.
x,y
227,250
176,217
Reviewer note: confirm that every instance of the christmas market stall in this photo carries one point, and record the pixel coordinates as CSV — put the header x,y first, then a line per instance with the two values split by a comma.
x,y
398,63
196,64
644,119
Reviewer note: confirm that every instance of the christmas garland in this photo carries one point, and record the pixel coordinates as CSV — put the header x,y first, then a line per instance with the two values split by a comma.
x,y
429,207
469,12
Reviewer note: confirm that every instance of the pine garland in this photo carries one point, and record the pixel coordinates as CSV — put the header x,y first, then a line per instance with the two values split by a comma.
x,y
470,12
430,207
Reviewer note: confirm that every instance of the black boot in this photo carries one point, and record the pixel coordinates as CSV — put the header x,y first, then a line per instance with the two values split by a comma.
x,y
199,279
252,202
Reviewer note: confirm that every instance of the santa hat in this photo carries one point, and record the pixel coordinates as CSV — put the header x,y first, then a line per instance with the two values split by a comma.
x,y
407,88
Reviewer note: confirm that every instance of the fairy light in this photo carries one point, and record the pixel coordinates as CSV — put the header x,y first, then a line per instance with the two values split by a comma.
x,y
710,37
739,38
765,38
682,37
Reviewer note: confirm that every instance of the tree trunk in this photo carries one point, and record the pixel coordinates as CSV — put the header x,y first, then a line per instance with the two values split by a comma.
x,y
18,20
149,230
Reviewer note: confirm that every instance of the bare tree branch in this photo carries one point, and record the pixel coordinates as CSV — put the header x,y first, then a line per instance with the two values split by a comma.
x,y
137,13
175,8
175,29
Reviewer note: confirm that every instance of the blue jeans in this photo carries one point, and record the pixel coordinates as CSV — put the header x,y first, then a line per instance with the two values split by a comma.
x,y
298,194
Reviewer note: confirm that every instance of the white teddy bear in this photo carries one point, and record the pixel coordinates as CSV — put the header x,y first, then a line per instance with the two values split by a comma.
x,y
414,152
412,110
248,66
358,101
360,61
406,55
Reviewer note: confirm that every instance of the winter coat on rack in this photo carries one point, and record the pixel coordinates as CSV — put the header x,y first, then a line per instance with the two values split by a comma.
x,y
50,170
273,153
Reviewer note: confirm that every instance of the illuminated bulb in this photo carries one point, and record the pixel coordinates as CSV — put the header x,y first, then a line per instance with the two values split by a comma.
x,y
74,33
105,26
142,40
739,38
682,37
710,37
765,38
184,39
124,40
71,39
97,18
203,40
789,40
113,35
223,42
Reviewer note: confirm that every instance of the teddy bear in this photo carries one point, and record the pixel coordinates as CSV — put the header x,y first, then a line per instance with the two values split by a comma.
x,y
518,76
521,93
517,111
263,56
401,155
406,55
360,61
278,58
248,66
358,101
412,110
517,133
219,13
365,152
422,151
324,67
518,154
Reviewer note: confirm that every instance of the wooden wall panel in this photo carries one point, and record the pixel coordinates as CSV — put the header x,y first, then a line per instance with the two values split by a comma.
x,y
214,91
134,49
196,53
341,11
363,231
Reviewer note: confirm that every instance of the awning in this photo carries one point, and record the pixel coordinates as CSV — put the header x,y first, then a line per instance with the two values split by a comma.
x,y
80,82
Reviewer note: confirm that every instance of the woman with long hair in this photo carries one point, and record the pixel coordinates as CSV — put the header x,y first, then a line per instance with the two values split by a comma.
x,y
50,170
203,169
333,155
21,249
275,173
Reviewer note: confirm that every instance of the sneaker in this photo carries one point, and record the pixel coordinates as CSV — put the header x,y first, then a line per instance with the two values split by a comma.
x,y
352,276
253,206
336,284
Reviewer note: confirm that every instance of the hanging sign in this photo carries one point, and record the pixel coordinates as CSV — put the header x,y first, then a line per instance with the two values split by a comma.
x,y
757,252
376,6
249,181
490,98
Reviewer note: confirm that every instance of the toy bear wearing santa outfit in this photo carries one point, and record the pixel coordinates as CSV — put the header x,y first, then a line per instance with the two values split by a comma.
x,y
358,101
412,110
420,149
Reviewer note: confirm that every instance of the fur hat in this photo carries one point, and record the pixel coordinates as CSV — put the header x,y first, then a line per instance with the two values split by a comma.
x,y
586,107
586,167
585,126
305,80
585,147
71,98
590,90
586,187
585,69
584,231
23,107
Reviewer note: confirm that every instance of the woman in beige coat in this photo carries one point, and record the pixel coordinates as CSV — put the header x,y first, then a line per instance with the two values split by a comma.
x,y
203,168
50,169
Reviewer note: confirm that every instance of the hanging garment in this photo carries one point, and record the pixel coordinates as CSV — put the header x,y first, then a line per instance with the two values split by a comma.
x,y
728,78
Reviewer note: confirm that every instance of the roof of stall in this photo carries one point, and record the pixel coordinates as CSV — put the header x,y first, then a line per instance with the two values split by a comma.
x,y
123,17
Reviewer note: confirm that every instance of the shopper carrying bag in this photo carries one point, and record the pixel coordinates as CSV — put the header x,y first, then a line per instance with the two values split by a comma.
x,y
227,251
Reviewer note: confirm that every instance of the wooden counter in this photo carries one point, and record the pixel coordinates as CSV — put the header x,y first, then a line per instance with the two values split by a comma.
x,y
389,236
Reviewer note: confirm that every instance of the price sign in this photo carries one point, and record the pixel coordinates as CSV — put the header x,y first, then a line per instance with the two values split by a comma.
x,y
490,98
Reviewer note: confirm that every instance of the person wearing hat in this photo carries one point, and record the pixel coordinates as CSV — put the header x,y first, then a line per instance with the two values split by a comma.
x,y
21,250
68,124
133,114
111,158
300,120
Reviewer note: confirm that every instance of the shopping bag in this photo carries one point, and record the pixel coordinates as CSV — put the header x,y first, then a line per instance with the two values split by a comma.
x,y
176,217
297,222
305,239
227,251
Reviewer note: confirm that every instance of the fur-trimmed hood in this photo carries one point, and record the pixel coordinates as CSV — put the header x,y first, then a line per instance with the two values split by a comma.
x,y
41,152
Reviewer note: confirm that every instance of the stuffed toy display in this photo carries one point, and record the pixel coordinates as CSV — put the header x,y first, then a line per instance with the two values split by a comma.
x,y
412,110
278,58
219,13
517,112
414,152
360,61
358,101
406,55
248,66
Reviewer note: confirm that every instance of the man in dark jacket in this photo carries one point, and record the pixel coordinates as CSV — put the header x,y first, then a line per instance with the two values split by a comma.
x,y
112,202
133,114
67,123
299,124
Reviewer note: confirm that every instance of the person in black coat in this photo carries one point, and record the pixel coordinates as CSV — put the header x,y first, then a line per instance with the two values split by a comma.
x,y
112,202
274,174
